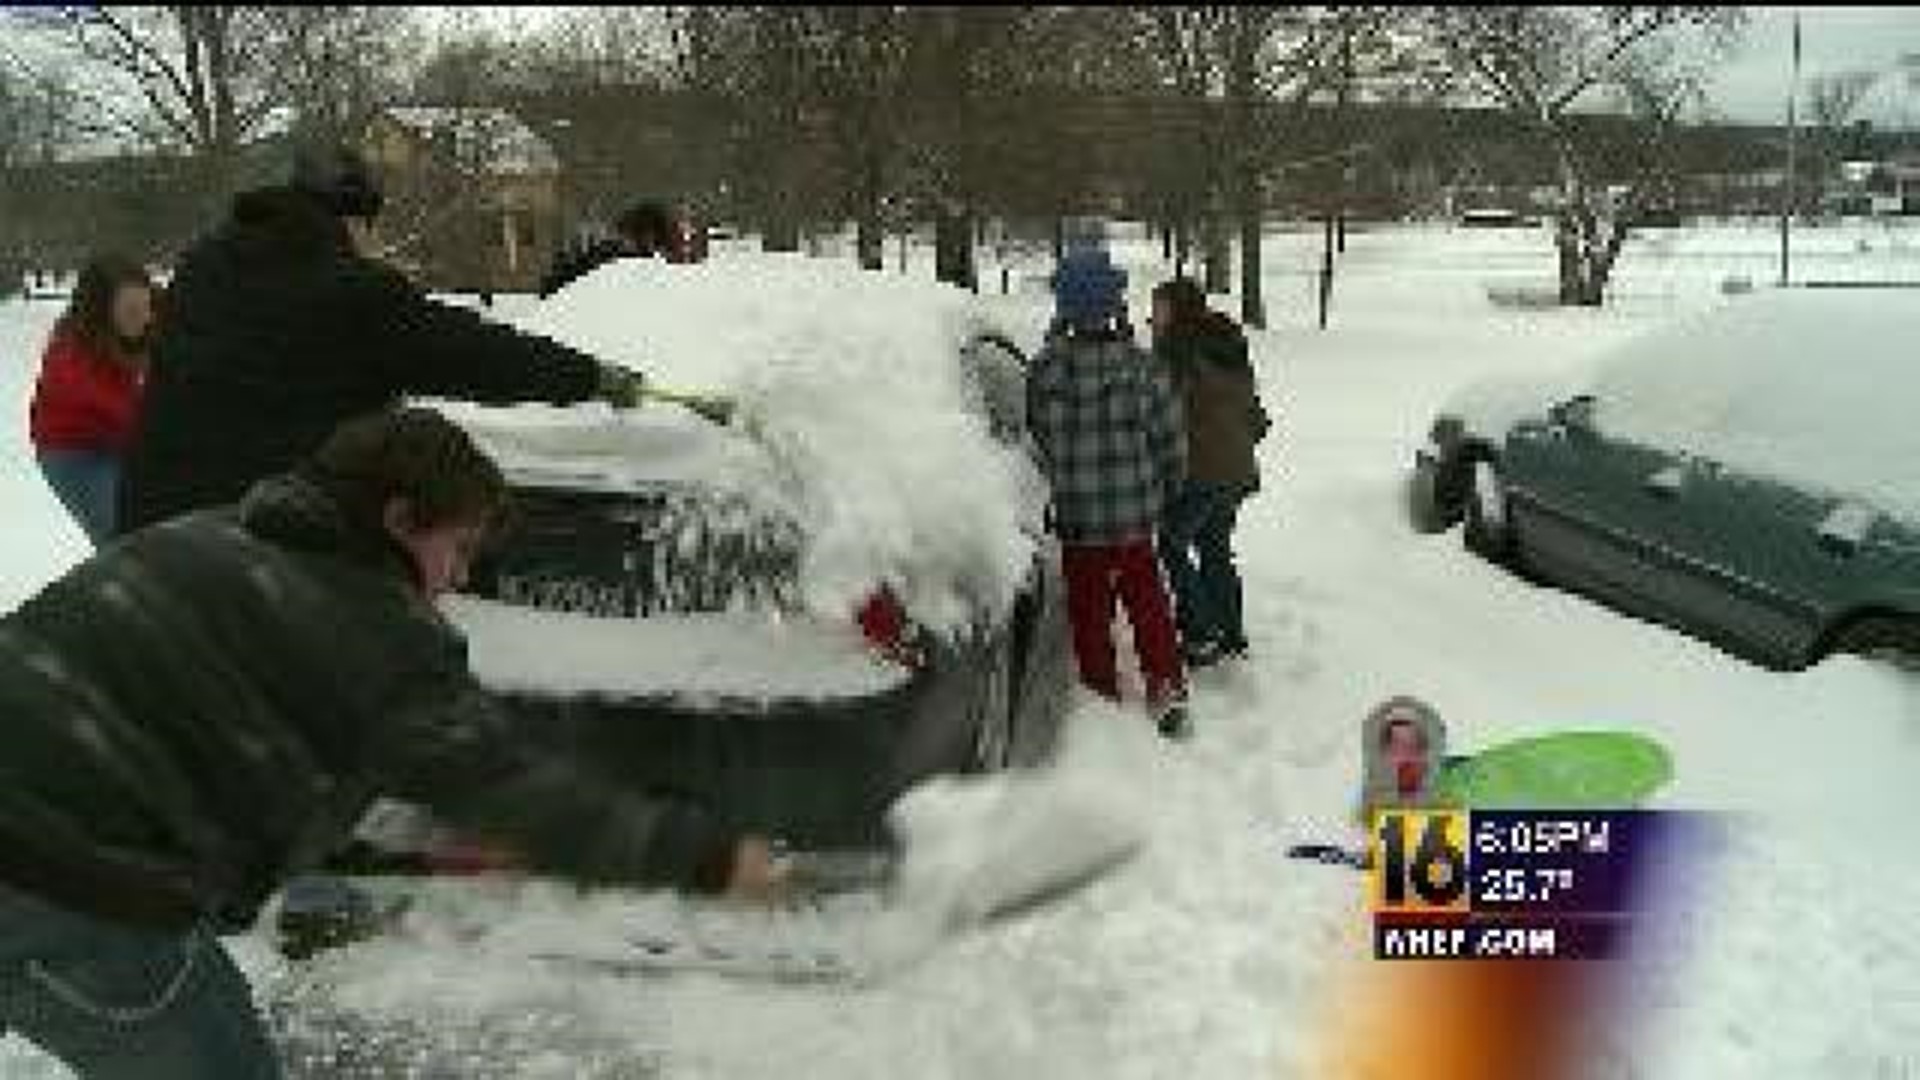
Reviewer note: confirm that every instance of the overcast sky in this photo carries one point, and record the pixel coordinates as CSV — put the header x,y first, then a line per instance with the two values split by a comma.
x,y
1753,85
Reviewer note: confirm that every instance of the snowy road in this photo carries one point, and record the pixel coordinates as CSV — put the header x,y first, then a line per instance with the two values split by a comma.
x,y
1211,956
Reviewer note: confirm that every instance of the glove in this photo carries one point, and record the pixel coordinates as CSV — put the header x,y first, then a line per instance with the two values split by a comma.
x,y
621,387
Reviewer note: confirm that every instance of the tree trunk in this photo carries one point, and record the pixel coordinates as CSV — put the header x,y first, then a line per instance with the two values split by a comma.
x,y
1573,232
953,249
1243,145
1219,255
870,237
1567,239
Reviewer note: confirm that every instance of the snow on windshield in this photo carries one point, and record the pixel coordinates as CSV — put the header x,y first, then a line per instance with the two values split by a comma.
x,y
851,385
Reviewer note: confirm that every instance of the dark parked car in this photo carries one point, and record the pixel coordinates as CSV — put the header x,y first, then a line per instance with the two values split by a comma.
x,y
647,621
1746,476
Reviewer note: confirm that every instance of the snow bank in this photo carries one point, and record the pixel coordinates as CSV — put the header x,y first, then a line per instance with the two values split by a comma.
x,y
1811,386
732,657
851,385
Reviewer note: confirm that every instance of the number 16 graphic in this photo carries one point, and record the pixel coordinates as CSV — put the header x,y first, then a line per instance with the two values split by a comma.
x,y
1437,869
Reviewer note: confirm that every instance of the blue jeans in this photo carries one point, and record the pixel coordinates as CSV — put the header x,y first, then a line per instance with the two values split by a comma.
x,y
87,483
119,1003
1196,546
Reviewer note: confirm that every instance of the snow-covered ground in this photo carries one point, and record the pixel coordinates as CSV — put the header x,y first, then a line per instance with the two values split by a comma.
x,y
1211,955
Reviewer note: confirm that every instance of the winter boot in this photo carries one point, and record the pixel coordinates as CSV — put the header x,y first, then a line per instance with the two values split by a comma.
x,y
1172,719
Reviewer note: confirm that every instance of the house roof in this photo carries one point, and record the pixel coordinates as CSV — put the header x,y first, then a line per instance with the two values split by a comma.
x,y
496,137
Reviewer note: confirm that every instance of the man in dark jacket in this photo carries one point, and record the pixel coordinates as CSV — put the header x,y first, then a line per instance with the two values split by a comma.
x,y
1205,355
645,230
1109,437
279,327
210,705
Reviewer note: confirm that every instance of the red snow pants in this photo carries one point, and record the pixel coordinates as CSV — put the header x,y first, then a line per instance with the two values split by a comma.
x,y
1097,575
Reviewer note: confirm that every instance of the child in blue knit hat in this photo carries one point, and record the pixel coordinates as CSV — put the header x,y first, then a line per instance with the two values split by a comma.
x,y
1112,441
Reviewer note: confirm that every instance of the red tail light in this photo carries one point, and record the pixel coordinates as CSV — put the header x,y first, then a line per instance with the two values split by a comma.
x,y
887,629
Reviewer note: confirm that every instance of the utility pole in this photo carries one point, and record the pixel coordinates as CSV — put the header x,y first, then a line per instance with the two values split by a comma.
x,y
1793,134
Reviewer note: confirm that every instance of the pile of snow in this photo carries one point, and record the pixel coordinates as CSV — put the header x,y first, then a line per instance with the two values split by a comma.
x,y
724,658
851,386
1806,386
1814,387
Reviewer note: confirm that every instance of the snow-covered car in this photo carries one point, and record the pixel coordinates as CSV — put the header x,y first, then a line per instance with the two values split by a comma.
x,y
1746,475
795,617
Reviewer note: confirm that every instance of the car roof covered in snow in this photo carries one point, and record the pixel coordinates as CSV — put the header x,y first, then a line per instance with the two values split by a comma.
x,y
1814,387
863,429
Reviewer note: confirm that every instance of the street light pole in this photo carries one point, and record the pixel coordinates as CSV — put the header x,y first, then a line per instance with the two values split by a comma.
x,y
1793,133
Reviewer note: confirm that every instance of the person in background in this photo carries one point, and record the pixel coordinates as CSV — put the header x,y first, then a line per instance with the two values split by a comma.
x,y
1109,436
1205,355
282,325
648,229
210,704
88,393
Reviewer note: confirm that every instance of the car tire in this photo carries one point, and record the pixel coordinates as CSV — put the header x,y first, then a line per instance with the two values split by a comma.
x,y
1425,511
993,733
1489,531
1887,639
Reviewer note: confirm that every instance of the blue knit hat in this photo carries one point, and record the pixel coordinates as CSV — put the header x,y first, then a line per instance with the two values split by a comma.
x,y
1088,290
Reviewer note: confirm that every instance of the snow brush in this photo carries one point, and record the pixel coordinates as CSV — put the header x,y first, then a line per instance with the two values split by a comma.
x,y
709,407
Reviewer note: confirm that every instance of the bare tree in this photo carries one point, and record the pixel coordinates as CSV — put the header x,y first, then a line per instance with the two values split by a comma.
x,y
343,64
210,79
756,60
1541,65
1832,100
857,75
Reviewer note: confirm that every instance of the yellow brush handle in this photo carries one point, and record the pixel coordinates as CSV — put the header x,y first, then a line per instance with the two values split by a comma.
x,y
717,409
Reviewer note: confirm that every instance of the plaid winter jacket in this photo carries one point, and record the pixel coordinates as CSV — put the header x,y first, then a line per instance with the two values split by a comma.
x,y
1110,436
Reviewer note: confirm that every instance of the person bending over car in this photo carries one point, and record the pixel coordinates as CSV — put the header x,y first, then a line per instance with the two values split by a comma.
x,y
209,706
281,325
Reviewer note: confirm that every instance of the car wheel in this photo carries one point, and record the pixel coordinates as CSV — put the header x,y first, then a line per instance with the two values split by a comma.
x,y
1893,641
993,711
1425,511
1489,533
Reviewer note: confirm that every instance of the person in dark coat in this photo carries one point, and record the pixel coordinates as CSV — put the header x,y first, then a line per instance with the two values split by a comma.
x,y
1108,432
645,230
211,704
1205,355
279,327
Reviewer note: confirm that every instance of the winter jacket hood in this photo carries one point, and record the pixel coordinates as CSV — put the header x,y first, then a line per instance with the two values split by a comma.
x,y
296,512
1379,786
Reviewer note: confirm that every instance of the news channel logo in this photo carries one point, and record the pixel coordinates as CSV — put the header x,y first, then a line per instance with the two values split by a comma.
x,y
1535,884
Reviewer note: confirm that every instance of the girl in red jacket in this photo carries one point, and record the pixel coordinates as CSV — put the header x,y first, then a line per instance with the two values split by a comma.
x,y
88,395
